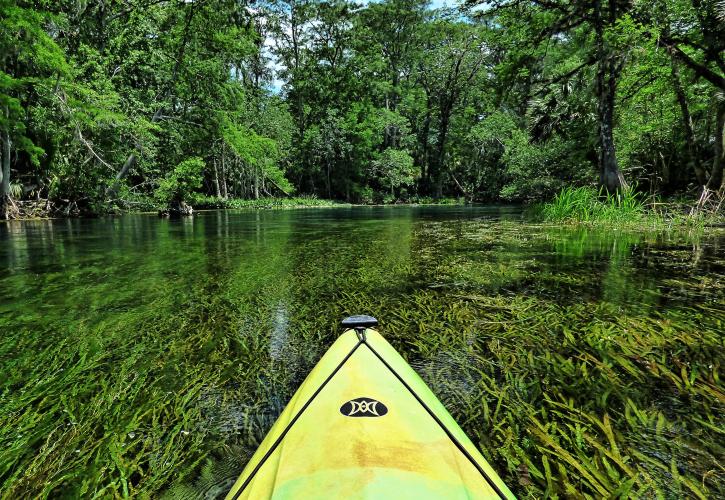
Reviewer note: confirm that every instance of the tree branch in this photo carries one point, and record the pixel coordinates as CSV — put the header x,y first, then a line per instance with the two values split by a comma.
x,y
700,69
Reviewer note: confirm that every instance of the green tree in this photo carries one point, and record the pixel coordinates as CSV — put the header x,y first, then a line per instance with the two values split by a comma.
x,y
453,56
395,168
176,187
30,58
101,101
581,33
694,33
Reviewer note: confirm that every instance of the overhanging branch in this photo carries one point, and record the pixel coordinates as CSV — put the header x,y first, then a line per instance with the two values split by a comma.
x,y
700,69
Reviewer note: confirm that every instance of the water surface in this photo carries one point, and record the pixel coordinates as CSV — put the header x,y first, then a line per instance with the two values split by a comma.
x,y
145,357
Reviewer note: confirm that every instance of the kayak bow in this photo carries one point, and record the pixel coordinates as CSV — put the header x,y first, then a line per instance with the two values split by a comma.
x,y
363,424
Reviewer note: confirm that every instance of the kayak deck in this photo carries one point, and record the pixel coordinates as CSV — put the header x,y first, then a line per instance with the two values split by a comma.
x,y
363,424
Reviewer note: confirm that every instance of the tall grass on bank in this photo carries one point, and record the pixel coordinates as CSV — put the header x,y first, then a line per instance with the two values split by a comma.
x,y
585,204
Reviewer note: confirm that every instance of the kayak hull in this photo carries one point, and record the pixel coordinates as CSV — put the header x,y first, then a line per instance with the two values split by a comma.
x,y
363,424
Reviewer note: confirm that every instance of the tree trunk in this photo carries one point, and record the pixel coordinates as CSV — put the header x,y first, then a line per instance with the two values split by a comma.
x,y
224,175
437,174
5,173
715,183
256,184
424,159
217,191
691,156
8,209
127,165
285,193
610,177
666,171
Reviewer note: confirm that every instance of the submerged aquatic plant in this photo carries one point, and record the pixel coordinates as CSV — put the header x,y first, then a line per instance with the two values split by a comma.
x,y
143,356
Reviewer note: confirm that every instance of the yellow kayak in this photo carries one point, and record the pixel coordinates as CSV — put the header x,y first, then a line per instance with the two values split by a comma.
x,y
363,424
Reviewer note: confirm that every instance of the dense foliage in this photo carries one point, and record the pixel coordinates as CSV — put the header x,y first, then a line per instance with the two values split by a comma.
x,y
378,101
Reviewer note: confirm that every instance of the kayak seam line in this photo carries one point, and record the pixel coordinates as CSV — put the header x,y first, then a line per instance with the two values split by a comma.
x,y
450,435
292,422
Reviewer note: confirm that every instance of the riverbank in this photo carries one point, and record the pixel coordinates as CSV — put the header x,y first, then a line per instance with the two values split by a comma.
x,y
48,209
572,206
211,203
206,203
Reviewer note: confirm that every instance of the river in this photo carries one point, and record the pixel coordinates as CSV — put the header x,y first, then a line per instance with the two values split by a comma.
x,y
144,356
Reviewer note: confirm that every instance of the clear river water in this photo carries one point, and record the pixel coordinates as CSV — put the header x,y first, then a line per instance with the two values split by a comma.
x,y
148,357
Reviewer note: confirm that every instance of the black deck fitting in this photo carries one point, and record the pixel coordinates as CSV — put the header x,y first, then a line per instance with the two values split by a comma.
x,y
359,321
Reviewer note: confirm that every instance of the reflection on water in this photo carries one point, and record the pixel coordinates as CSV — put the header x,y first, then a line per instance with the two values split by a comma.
x,y
141,354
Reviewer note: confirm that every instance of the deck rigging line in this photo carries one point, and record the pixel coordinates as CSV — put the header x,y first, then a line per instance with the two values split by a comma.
x,y
362,340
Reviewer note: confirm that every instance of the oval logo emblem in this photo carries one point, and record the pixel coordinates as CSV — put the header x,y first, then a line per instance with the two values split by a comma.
x,y
363,407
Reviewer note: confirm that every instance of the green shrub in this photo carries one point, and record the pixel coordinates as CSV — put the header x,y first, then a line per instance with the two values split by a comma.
x,y
394,168
179,184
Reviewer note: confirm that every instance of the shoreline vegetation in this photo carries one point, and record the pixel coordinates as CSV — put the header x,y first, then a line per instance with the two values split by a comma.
x,y
307,201
45,209
586,206
104,107
628,208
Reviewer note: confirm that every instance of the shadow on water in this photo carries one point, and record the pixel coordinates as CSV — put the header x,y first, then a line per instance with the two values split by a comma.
x,y
143,355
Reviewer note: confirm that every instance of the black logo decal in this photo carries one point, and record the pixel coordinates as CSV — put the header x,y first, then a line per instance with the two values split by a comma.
x,y
363,407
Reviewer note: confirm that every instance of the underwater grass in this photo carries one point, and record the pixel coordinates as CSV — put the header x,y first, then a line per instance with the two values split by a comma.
x,y
557,399
148,357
